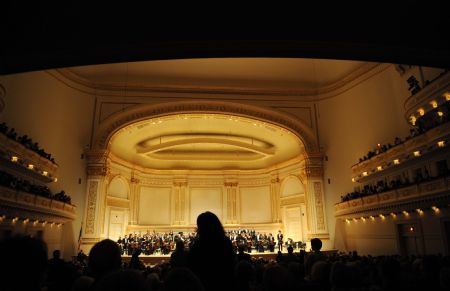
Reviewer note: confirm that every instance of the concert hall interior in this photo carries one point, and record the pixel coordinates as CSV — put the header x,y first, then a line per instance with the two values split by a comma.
x,y
354,152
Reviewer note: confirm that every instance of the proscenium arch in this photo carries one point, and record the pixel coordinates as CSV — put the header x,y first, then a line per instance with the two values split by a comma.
x,y
141,112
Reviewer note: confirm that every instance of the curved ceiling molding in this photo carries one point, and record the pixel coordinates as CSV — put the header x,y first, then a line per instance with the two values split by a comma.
x,y
141,89
205,141
205,147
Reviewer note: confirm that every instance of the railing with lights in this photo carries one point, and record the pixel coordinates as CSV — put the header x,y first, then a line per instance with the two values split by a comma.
x,y
432,141
429,98
436,189
17,157
16,203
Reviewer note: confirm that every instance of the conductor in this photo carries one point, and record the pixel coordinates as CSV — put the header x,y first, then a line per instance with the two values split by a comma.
x,y
280,240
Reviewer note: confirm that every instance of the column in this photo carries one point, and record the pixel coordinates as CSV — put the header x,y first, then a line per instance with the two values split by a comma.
x,y
179,200
97,177
134,199
315,206
275,199
232,202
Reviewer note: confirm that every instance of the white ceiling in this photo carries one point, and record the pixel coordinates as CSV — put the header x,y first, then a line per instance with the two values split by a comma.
x,y
205,142
254,73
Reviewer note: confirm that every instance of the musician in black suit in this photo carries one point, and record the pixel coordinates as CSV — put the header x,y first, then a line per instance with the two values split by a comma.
x,y
280,240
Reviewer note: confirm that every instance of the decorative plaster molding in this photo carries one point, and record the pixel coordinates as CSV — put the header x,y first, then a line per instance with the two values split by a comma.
x,y
364,72
320,218
91,205
98,170
144,111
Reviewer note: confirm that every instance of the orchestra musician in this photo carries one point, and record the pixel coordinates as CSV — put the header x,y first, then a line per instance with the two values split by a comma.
x,y
280,240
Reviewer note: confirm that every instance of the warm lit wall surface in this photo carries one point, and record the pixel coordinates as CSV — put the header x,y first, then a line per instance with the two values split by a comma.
x,y
59,119
347,126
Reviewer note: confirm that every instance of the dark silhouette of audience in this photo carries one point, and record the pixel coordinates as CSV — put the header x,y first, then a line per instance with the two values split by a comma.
x,y
179,258
23,263
9,181
211,257
25,141
25,267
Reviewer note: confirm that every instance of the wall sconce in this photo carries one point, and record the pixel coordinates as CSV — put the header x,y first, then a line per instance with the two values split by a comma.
x,y
413,119
421,111
396,161
435,209
45,173
353,180
441,143
59,225
355,219
44,223
417,153
35,222
405,213
434,104
14,159
2,218
347,220
55,180
420,211
52,224
447,96
363,218
14,220
26,221
379,168
393,215
30,166
411,228
382,217
372,218
365,174
440,113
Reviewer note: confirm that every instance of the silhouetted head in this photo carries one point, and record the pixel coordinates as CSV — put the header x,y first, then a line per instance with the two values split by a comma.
x,y
316,244
104,258
290,249
56,254
209,226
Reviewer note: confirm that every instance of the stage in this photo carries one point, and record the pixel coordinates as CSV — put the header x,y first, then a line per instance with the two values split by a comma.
x,y
158,258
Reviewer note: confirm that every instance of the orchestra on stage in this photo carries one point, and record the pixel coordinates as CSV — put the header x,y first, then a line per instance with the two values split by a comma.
x,y
249,240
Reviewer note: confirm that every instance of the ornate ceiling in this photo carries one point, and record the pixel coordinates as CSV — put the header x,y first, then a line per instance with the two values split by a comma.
x,y
205,142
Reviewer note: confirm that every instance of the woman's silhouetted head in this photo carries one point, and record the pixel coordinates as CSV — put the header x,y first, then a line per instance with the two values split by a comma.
x,y
209,226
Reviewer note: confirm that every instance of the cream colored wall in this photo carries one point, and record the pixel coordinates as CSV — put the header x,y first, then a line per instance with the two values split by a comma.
x,y
350,125
59,119
353,123
154,205
255,204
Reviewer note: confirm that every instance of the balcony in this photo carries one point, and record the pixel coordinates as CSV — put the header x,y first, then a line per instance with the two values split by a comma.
x,y
414,149
429,192
25,205
25,162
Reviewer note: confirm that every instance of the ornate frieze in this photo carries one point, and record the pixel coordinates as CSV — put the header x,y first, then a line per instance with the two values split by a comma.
x,y
98,170
91,204
110,125
320,218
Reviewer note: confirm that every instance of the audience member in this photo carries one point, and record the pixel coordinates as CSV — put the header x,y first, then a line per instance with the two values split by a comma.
x,y
24,263
211,257
182,279
313,257
179,258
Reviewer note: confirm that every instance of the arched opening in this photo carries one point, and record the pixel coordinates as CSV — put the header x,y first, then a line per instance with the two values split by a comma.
x,y
185,158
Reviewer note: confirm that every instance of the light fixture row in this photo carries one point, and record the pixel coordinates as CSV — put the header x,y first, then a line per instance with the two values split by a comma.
x,y
15,220
434,104
15,159
394,215
440,144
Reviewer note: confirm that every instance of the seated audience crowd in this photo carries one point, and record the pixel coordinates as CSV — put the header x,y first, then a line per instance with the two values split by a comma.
x,y
25,141
211,264
431,119
9,181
